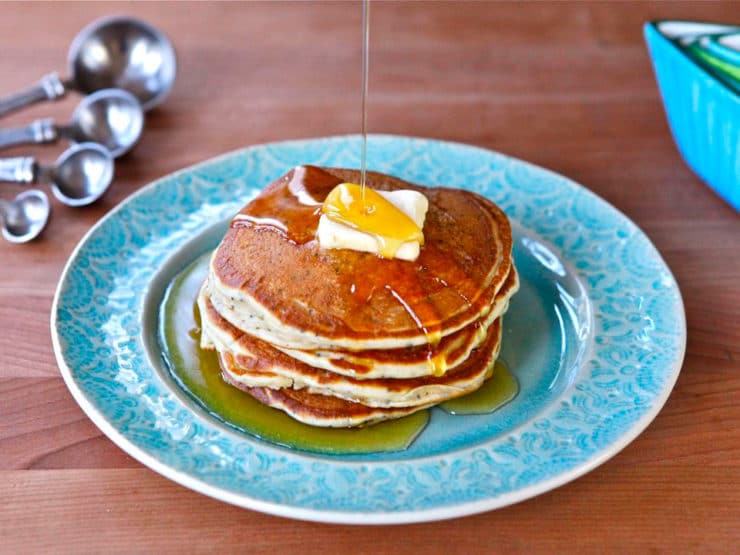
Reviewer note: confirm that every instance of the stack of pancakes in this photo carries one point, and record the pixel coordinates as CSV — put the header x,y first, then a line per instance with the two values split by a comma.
x,y
342,338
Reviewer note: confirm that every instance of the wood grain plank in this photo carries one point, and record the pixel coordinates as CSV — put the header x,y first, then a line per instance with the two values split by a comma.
x,y
31,307
137,510
42,427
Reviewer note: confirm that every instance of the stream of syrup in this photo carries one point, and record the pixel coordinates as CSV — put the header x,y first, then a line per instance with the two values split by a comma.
x,y
365,69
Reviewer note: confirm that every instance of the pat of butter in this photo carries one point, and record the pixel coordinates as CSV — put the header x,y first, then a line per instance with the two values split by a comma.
x,y
333,234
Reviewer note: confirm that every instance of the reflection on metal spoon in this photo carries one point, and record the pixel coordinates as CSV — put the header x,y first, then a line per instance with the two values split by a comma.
x,y
111,117
115,52
25,217
80,176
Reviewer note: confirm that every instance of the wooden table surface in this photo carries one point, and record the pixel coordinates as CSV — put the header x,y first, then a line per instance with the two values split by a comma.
x,y
565,85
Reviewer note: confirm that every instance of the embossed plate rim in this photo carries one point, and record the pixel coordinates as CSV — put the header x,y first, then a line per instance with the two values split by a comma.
x,y
192,480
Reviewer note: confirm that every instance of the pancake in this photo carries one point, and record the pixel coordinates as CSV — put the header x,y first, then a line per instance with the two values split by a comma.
x,y
449,353
262,365
269,277
321,410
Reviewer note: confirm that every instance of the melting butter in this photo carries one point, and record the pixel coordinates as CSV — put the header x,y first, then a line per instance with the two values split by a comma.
x,y
386,223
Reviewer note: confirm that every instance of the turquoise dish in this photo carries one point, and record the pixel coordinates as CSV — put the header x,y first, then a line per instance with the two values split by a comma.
x,y
596,338
699,81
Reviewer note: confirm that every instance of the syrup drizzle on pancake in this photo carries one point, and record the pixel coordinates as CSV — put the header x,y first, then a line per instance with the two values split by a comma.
x,y
437,363
293,211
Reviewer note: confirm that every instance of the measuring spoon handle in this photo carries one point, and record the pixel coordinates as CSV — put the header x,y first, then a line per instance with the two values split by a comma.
x,y
18,170
50,87
40,131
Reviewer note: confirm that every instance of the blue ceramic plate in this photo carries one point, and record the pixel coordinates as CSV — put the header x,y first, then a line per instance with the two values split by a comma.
x,y
596,337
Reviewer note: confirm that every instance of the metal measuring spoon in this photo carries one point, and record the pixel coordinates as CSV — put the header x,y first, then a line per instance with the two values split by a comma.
x,y
110,53
111,117
24,217
79,177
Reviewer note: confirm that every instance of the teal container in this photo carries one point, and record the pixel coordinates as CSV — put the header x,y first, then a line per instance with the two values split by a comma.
x,y
701,95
